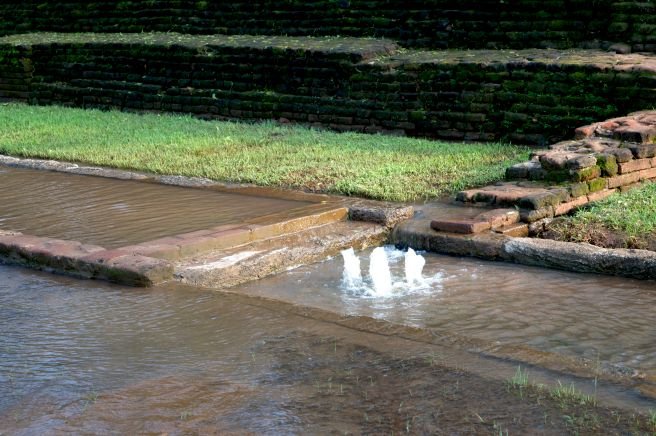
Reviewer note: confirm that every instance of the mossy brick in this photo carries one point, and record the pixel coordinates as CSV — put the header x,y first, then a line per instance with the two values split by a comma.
x,y
596,185
608,164
539,200
557,176
585,174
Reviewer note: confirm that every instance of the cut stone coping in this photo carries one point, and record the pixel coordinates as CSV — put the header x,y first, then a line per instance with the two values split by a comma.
x,y
567,256
361,48
227,268
148,263
561,59
82,260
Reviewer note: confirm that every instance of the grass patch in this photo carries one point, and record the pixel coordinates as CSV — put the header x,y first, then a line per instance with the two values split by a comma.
x,y
266,154
619,221
633,213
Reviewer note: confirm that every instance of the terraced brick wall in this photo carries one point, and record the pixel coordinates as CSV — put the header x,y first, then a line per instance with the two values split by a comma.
x,y
414,23
532,96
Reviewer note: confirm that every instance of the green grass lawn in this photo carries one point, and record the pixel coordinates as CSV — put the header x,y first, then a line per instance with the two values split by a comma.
x,y
632,213
267,154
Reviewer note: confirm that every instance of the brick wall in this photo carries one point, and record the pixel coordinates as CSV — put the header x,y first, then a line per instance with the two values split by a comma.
x,y
531,96
414,23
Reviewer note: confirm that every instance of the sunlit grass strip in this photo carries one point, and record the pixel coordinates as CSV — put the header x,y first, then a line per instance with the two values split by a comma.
x,y
267,154
633,213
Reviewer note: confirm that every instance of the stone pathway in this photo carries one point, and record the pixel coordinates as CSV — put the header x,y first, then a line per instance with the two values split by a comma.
x,y
604,158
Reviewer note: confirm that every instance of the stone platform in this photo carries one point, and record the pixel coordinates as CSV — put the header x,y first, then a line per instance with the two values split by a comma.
x,y
275,241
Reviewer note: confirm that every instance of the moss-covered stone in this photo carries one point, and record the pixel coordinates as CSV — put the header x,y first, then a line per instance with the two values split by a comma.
x,y
608,165
557,176
585,174
597,185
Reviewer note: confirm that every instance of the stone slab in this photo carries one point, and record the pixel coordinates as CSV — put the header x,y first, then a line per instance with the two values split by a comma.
x,y
83,260
463,226
634,165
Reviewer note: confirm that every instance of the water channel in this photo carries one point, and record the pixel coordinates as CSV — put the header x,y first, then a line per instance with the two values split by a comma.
x,y
166,355
113,213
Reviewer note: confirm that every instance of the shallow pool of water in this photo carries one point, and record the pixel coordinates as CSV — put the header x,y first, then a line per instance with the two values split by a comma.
x,y
601,318
85,357
113,213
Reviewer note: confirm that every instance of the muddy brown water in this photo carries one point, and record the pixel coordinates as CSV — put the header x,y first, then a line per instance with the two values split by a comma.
x,y
113,213
84,357
87,357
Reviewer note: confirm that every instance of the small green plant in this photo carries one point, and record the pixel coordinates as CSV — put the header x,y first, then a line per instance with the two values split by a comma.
x,y
519,381
571,395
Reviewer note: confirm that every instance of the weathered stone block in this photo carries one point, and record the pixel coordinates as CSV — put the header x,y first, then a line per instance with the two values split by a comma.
x,y
624,179
648,174
621,154
557,176
580,162
642,151
519,230
521,170
539,200
553,160
499,217
578,189
565,208
529,216
537,173
634,165
460,226
596,196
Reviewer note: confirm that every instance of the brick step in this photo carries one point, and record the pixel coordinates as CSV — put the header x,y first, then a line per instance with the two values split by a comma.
x,y
608,157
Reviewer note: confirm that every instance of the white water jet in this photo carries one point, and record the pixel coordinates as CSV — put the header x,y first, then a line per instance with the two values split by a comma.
x,y
414,265
352,275
379,272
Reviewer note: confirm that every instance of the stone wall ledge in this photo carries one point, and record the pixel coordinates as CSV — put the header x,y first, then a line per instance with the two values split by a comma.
x,y
567,256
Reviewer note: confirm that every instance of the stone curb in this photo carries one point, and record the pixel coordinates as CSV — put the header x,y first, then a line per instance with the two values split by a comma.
x,y
546,253
81,260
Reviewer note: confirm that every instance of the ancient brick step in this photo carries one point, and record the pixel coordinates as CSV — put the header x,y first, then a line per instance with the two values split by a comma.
x,y
571,174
